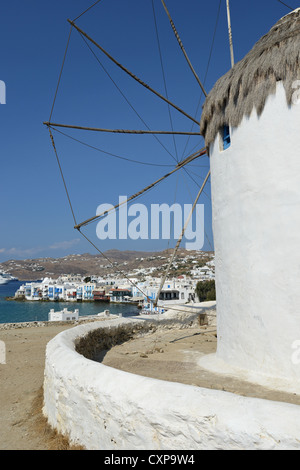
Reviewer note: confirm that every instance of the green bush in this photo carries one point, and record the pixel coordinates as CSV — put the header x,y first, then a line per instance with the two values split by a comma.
x,y
206,290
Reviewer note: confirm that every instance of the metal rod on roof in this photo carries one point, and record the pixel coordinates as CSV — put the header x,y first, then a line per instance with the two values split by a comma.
x,y
230,33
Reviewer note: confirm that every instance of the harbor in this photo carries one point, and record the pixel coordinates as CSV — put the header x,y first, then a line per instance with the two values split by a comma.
x,y
32,311
22,301
140,294
149,258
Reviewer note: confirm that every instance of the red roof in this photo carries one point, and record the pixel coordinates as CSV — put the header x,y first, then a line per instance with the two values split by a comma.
x,y
120,290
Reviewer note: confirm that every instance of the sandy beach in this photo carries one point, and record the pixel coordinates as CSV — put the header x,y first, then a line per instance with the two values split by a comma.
x,y
167,354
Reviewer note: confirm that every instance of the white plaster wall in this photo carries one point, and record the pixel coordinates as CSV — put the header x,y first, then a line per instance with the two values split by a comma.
x,y
103,408
256,224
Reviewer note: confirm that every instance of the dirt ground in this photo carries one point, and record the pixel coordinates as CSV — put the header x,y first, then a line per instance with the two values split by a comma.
x,y
165,354
21,380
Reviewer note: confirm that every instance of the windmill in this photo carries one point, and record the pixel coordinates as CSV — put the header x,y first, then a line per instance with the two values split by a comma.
x,y
181,165
251,121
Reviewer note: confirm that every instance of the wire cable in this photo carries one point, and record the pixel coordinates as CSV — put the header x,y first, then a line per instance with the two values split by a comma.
x,y
62,175
89,8
180,239
164,77
179,165
109,153
61,71
112,264
145,85
182,48
123,95
207,68
147,188
292,9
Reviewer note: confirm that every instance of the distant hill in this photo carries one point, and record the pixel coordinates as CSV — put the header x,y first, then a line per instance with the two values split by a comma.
x,y
89,265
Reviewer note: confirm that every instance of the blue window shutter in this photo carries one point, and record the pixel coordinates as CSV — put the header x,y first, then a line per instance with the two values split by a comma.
x,y
226,137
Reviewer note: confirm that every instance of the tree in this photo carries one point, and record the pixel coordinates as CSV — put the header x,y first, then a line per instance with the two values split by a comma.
x,y
206,290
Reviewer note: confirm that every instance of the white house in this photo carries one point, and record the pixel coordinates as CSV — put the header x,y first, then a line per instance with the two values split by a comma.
x,y
251,125
173,293
63,315
33,291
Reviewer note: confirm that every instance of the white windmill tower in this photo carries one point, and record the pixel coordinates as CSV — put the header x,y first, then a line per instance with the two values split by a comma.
x,y
251,124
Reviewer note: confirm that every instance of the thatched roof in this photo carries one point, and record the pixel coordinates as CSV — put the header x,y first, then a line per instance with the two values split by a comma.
x,y
275,57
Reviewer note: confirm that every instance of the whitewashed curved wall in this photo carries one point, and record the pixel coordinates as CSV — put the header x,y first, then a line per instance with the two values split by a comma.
x,y
103,408
256,224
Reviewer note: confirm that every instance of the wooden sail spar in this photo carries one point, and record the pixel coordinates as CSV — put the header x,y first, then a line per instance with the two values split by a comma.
x,y
119,131
163,280
147,188
182,48
145,85
180,165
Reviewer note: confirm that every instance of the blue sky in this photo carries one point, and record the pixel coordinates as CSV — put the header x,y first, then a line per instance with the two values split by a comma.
x,y
36,220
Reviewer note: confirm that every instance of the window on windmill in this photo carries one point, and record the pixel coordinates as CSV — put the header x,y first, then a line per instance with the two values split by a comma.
x,y
226,140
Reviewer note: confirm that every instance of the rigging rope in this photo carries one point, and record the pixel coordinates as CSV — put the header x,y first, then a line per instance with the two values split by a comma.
x,y
123,95
179,164
112,264
60,74
62,175
164,76
109,153
292,9
89,8
180,239
207,68
130,73
196,183
182,48
78,227
205,233
178,167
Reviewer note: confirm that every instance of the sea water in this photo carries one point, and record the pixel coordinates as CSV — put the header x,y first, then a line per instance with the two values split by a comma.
x,y
12,311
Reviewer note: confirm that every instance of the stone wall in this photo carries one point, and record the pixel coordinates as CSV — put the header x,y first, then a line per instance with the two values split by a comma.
x,y
103,408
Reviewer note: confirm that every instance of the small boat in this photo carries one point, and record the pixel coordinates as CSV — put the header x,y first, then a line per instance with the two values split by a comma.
x,y
4,278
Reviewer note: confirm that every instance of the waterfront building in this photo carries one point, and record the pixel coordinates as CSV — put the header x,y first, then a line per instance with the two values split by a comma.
x,y
174,292
88,290
179,289
33,291
120,295
101,295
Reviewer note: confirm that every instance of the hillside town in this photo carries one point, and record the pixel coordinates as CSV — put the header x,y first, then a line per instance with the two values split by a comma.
x,y
138,287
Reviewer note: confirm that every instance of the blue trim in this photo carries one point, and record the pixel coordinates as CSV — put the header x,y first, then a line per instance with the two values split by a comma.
x,y
226,137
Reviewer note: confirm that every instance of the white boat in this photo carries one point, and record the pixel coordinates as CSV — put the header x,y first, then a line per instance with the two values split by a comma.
x,y
5,278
